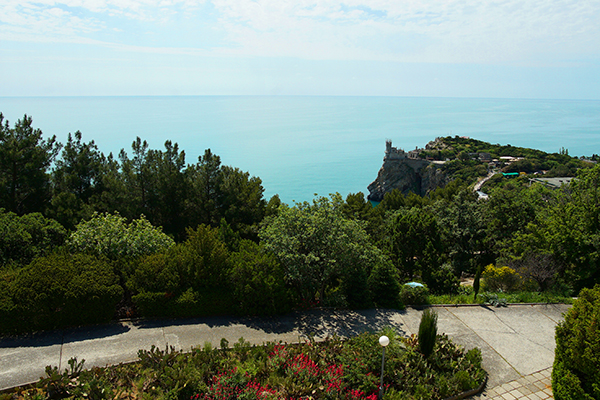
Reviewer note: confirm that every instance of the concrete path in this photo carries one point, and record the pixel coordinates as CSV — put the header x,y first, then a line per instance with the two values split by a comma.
x,y
515,341
536,386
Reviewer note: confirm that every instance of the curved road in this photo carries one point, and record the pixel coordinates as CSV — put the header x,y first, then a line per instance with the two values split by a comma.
x,y
515,341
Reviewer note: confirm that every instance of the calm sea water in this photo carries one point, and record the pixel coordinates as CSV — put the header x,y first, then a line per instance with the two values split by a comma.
x,y
300,146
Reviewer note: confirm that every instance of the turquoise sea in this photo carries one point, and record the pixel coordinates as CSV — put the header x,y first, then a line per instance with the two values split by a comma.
x,y
301,145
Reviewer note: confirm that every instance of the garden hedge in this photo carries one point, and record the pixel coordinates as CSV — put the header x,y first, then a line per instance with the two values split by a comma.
x,y
576,372
57,291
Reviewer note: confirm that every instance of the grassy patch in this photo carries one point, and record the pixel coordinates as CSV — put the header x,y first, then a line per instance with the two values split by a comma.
x,y
466,297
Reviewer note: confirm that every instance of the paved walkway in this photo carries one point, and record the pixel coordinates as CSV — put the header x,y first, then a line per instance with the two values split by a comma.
x,y
536,386
516,341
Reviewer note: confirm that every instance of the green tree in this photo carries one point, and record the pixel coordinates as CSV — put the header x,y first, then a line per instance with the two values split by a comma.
x,y
257,281
357,207
152,183
242,202
508,212
209,257
316,246
135,175
22,238
167,189
24,162
221,192
77,181
384,286
204,180
110,235
463,231
569,228
413,242
189,279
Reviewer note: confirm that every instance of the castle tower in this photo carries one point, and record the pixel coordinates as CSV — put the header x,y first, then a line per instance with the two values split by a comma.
x,y
388,146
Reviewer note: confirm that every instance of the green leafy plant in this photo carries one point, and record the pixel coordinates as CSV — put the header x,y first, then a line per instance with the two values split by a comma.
x,y
384,287
504,279
576,371
492,299
427,332
22,238
330,370
59,385
158,359
112,236
414,296
60,290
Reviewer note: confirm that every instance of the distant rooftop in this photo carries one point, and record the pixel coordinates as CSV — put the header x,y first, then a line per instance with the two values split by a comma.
x,y
554,182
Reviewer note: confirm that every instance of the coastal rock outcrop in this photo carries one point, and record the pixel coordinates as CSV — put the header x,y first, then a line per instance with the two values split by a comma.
x,y
406,172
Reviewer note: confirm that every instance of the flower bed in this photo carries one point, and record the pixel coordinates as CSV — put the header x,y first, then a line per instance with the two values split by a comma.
x,y
333,369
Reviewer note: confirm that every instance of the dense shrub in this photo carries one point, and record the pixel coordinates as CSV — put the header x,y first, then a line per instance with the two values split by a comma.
x,y
500,279
111,236
257,281
441,280
22,238
60,290
384,287
427,332
354,283
189,303
576,372
414,296
189,279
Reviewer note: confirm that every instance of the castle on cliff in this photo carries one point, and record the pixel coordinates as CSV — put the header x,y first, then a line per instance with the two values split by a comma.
x,y
405,171
394,153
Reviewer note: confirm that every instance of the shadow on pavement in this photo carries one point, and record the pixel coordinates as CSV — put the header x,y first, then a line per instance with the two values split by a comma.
x,y
51,338
346,323
316,322
275,324
211,322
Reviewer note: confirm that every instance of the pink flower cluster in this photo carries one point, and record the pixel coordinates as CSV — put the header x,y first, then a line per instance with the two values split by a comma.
x,y
224,387
300,368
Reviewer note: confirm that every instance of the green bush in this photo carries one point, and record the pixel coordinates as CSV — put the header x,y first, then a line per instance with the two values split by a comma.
x,y
414,296
60,290
384,287
188,279
427,332
189,303
576,372
257,281
22,238
500,279
157,273
111,236
441,280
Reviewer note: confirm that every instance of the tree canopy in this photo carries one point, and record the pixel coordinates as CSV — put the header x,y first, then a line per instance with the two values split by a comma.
x,y
318,247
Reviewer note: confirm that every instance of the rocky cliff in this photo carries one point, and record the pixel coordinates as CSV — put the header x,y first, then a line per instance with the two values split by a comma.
x,y
407,173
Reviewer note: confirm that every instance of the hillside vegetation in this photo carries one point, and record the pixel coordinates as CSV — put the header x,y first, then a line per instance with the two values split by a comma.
x,y
148,234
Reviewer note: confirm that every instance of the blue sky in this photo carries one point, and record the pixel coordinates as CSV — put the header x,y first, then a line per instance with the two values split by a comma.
x,y
446,48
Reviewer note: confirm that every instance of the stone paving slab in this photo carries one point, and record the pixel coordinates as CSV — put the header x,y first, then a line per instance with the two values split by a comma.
x,y
537,386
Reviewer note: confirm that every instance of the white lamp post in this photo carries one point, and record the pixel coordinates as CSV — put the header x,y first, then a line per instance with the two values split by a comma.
x,y
383,341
